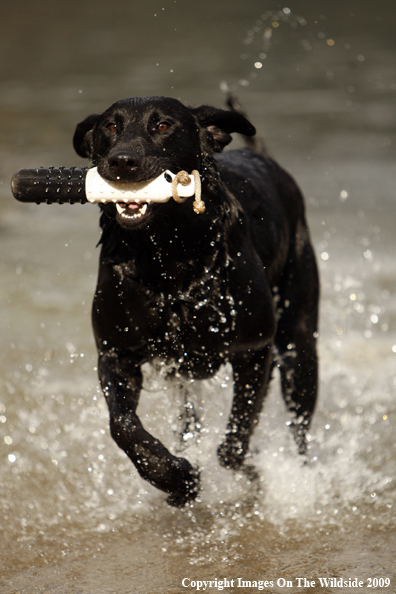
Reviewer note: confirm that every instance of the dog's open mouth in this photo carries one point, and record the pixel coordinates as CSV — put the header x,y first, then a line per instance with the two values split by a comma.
x,y
133,211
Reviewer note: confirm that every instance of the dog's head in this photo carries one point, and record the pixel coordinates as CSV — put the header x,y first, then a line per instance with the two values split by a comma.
x,y
137,139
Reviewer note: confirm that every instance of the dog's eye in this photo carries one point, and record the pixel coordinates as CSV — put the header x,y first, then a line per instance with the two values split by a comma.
x,y
112,127
162,126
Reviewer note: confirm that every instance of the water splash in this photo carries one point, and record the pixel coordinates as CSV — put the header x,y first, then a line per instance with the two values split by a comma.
x,y
259,41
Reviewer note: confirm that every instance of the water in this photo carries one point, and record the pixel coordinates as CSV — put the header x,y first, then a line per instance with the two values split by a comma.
x,y
75,517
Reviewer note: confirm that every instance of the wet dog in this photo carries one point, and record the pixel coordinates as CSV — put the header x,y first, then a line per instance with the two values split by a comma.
x,y
237,283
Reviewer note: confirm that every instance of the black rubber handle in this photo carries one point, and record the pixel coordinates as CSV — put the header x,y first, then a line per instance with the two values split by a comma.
x,y
53,185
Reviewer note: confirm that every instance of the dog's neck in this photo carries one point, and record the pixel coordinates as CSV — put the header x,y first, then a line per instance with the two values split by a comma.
x,y
177,242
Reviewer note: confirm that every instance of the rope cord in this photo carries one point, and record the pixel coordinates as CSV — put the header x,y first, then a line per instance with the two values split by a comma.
x,y
184,179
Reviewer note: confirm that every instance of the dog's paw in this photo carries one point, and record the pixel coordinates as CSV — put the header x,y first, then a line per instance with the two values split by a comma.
x,y
251,473
188,487
231,453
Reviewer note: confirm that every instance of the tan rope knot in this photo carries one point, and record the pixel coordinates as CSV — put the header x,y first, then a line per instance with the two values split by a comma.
x,y
198,204
184,179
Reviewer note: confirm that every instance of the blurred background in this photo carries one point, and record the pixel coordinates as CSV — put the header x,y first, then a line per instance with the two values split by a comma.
x,y
318,80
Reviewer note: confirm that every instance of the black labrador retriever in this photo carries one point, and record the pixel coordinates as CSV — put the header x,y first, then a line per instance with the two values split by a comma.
x,y
237,283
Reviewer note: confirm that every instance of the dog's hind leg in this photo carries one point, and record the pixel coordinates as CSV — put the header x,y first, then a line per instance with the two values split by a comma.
x,y
299,379
251,378
121,382
295,342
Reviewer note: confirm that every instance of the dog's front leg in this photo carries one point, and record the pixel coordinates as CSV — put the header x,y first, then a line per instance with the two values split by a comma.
x,y
251,377
121,383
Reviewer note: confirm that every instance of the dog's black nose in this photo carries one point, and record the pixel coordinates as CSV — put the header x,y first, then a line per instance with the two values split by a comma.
x,y
123,163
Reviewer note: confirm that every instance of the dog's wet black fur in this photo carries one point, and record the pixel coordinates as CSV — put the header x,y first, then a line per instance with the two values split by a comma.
x,y
235,284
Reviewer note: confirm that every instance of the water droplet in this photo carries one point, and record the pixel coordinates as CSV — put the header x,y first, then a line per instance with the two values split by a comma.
x,y
343,195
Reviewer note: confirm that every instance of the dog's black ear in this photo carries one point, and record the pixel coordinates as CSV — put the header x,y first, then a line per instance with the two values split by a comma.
x,y
221,124
82,139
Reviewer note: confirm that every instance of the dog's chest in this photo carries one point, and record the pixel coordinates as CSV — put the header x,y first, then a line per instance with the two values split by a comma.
x,y
162,317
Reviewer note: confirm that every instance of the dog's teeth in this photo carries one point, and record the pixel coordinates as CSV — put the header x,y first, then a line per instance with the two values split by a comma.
x,y
122,209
